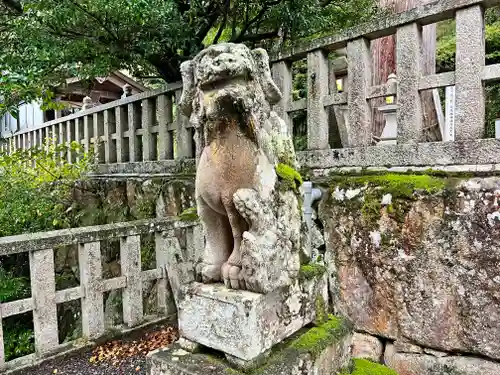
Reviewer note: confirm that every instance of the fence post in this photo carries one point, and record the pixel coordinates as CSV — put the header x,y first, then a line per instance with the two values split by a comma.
x,y
133,121
130,256
184,139
408,68
148,118
166,305
470,60
89,258
87,132
359,78
282,76
43,292
317,89
109,127
165,117
69,138
121,122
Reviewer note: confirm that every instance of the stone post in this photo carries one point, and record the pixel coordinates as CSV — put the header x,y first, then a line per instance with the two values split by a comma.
x,y
317,89
360,75
133,123
470,60
282,76
43,289
408,67
130,256
121,143
89,259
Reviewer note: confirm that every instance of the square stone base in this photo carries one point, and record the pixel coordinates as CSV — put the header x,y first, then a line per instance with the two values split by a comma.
x,y
323,350
244,324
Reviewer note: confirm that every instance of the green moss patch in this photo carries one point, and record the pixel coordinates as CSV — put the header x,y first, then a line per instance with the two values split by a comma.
x,y
366,367
404,188
317,339
398,185
189,214
310,271
289,177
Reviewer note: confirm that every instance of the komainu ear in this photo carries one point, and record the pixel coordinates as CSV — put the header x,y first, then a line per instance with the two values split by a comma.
x,y
271,91
188,87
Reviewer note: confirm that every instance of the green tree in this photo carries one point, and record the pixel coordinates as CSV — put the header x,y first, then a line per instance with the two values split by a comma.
x,y
43,42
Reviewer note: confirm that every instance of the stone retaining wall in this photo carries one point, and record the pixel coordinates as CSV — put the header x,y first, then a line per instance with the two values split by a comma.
x,y
414,262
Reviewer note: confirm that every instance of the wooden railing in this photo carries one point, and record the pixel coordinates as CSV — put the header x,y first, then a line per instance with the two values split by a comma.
x,y
145,127
44,296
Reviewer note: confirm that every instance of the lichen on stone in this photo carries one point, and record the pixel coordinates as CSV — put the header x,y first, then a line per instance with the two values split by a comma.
x,y
189,214
365,367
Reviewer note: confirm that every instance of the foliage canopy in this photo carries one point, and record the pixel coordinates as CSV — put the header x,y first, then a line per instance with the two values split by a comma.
x,y
43,42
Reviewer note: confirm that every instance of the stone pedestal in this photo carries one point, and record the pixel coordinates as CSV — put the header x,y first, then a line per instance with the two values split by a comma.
x,y
246,325
321,350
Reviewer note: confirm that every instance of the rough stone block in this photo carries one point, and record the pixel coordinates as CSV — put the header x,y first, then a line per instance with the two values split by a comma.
x,y
321,350
244,324
421,364
425,269
367,346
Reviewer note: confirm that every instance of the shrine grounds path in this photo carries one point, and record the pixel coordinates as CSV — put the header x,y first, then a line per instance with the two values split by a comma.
x,y
126,356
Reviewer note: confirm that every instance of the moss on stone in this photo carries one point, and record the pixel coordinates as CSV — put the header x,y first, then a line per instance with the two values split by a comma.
x,y
317,339
396,184
189,214
366,367
310,271
321,311
289,177
403,188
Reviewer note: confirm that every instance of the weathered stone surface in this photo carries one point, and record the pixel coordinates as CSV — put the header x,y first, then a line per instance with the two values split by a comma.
x,y
471,152
366,346
425,268
322,350
406,347
420,364
252,226
245,324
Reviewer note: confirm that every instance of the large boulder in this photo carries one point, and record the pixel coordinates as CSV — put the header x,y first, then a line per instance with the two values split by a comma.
x,y
417,258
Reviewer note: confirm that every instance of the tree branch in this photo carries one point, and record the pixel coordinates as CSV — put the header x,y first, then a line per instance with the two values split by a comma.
x,y
254,20
223,24
99,21
13,5
257,37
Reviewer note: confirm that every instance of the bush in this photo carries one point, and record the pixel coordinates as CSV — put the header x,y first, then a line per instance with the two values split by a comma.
x,y
36,187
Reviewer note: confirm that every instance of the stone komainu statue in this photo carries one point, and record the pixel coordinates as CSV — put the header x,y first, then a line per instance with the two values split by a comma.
x,y
252,227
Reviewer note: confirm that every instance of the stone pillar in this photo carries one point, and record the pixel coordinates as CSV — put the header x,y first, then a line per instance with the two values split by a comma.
x,y
360,75
43,289
470,60
282,76
317,89
148,119
130,256
408,68
89,259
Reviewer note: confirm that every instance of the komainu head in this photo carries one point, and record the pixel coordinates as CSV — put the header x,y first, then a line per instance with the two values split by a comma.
x,y
234,67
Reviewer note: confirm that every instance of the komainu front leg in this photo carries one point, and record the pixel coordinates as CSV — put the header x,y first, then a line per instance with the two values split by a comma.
x,y
219,242
231,270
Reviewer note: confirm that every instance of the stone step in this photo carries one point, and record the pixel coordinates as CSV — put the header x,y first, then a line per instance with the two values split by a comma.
x,y
319,350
